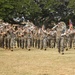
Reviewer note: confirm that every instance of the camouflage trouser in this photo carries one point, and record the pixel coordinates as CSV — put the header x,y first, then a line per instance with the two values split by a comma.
x,y
2,42
32,42
45,43
7,42
60,44
25,43
13,43
69,42
18,41
49,43
28,43
35,43
74,42
38,43
53,42
22,42
66,42
41,44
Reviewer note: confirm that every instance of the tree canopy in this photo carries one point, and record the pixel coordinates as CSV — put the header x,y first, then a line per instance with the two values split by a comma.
x,y
38,11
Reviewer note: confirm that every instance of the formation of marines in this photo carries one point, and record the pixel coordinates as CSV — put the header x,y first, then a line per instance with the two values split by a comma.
x,y
29,36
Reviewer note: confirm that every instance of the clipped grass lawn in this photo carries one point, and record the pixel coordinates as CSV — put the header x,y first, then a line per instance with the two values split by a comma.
x,y
37,62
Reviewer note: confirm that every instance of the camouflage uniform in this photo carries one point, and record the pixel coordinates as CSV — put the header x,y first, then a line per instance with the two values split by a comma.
x,y
13,39
69,38
61,29
48,38
19,38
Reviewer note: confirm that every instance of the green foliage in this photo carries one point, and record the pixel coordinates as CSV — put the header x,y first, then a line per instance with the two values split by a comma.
x,y
39,11
72,4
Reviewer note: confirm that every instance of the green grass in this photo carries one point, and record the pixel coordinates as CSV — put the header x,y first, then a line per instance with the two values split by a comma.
x,y
37,62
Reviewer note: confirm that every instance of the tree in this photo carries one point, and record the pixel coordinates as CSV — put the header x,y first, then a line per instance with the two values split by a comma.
x,y
39,11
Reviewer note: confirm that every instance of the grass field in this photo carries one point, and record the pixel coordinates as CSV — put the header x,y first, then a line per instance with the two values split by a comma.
x,y
37,62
